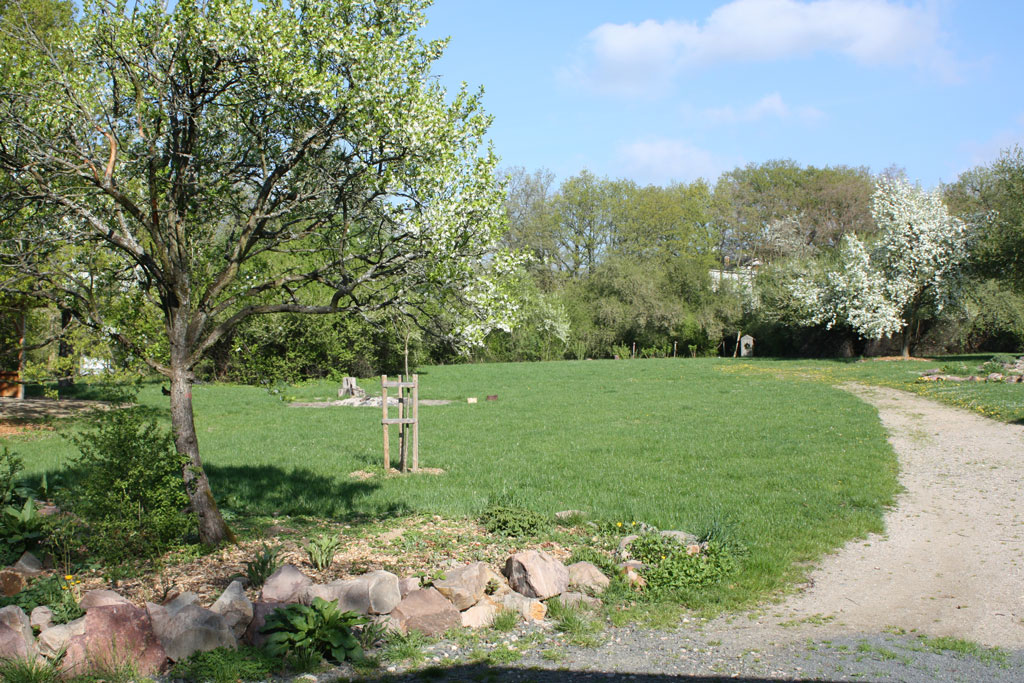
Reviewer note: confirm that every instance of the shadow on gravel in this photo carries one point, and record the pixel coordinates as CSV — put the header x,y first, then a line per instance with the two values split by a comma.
x,y
483,673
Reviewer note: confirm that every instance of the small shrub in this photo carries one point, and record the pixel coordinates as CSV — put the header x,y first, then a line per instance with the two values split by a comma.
x,y
668,567
371,634
11,466
991,366
130,495
29,671
321,551
225,665
21,527
507,516
311,632
260,568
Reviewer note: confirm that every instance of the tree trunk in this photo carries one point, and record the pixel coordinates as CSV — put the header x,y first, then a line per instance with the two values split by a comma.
x,y
907,334
213,530
64,350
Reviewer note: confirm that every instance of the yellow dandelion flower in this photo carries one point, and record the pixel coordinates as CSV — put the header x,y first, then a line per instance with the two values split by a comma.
x,y
618,523
68,577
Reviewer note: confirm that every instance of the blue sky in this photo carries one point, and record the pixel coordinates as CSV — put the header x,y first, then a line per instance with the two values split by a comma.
x,y
675,90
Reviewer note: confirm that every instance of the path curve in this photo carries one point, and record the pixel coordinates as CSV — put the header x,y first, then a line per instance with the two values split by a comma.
x,y
951,562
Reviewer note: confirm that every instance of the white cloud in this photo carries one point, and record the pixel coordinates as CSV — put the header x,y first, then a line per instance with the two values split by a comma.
x,y
631,59
768,107
662,160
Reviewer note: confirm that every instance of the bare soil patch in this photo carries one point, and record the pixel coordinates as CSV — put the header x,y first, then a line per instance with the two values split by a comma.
x,y
14,410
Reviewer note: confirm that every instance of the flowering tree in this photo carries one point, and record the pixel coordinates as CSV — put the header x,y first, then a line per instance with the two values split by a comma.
x,y
881,289
207,161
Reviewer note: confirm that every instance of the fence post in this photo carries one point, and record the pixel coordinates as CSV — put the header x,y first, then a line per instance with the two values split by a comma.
x,y
384,407
415,422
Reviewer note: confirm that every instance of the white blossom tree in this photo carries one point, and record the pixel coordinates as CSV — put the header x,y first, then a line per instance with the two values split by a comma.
x,y
229,158
882,288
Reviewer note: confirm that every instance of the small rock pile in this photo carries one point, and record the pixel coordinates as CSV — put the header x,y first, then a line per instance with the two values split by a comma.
x,y
468,596
1013,373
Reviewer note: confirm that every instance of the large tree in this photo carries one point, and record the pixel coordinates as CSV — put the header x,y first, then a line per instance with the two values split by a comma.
x,y
883,288
210,161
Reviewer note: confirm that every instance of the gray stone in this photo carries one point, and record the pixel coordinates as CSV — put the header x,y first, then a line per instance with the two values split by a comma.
x,y
235,607
530,609
184,627
680,537
54,639
566,514
588,577
375,592
113,635
41,618
624,545
465,586
287,584
101,598
28,565
16,639
260,612
481,614
408,585
574,599
536,574
427,611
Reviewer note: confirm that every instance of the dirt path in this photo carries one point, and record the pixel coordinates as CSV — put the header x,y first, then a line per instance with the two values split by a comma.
x,y
952,560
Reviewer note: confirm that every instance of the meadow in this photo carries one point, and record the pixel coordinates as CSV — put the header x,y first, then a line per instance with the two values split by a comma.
x,y
788,465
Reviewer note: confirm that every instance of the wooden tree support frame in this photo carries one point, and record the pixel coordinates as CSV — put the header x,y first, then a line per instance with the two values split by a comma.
x,y
408,395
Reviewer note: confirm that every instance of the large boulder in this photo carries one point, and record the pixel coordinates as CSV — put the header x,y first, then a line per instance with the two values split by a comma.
x,y
113,635
287,584
54,639
376,592
587,577
101,598
408,585
16,639
184,627
465,586
235,607
536,574
427,611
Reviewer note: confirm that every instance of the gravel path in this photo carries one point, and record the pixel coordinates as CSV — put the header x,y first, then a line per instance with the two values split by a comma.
x,y
950,565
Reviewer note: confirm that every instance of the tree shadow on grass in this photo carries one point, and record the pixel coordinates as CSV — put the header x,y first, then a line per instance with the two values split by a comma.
x,y
269,490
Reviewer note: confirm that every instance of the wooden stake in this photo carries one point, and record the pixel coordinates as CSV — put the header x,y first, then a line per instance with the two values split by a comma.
x,y
416,422
384,406
401,427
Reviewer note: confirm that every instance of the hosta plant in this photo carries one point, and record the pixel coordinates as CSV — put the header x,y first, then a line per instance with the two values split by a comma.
x,y
306,632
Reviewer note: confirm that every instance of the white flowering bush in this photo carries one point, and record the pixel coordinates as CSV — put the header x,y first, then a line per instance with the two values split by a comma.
x,y
880,288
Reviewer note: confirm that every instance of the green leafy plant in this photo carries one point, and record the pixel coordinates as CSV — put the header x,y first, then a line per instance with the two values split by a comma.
x,y
310,632
21,527
225,665
507,516
130,494
50,591
321,551
21,670
259,569
371,634
11,466
670,566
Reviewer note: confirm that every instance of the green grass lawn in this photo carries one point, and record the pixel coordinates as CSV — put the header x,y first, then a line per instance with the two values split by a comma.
x,y
793,468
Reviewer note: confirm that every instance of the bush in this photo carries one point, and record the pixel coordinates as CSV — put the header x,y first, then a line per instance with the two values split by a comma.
x,y
306,633
668,567
130,494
